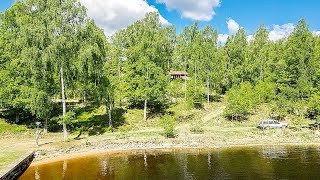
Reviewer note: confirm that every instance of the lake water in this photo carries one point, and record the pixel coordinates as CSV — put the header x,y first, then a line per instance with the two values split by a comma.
x,y
267,162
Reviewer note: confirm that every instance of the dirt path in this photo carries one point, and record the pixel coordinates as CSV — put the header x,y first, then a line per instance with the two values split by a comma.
x,y
214,114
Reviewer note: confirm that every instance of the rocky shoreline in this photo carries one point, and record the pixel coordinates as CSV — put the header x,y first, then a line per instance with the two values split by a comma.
x,y
44,155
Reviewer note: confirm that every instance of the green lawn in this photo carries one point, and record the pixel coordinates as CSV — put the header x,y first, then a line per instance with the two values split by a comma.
x,y
8,157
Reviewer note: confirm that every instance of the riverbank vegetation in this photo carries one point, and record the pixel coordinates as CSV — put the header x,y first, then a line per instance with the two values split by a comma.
x,y
57,67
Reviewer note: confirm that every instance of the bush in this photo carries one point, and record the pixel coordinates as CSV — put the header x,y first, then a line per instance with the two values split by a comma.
x,y
240,100
314,106
176,89
281,107
168,123
195,94
96,130
264,91
11,128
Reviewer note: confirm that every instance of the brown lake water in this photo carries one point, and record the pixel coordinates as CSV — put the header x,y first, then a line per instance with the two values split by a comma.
x,y
266,162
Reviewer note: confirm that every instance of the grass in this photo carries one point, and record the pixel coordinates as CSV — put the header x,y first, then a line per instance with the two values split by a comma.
x,y
9,157
11,128
195,127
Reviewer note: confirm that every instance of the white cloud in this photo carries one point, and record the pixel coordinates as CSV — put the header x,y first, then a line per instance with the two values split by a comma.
x,y
233,26
200,10
113,15
281,31
316,33
222,38
250,38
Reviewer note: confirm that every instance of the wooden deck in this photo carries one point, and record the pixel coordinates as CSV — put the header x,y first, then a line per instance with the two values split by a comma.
x,y
18,168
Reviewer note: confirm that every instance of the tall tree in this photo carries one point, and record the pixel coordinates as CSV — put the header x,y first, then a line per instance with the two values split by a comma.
x,y
258,53
236,49
295,78
144,74
47,44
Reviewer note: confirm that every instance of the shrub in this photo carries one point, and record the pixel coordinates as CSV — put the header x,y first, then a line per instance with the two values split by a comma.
x,y
195,94
168,123
314,106
176,89
11,128
95,130
264,91
240,100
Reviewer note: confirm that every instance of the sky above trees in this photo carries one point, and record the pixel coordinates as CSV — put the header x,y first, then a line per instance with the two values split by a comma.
x,y
227,16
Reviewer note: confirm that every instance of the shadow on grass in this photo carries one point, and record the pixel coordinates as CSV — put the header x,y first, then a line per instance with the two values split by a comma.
x,y
97,124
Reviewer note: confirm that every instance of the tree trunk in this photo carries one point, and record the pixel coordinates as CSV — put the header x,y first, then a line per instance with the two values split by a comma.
x,y
185,82
64,110
84,99
145,110
17,118
195,74
45,127
119,85
208,90
110,117
185,89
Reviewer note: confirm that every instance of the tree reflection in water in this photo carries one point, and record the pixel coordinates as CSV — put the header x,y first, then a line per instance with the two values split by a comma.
x,y
273,162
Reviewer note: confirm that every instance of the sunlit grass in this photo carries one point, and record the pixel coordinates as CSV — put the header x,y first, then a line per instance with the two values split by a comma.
x,y
8,157
11,128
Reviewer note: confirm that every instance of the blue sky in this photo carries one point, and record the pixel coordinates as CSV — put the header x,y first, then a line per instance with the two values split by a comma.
x,y
279,16
250,14
4,4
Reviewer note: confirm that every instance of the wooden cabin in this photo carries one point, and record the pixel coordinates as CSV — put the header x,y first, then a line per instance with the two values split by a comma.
x,y
178,75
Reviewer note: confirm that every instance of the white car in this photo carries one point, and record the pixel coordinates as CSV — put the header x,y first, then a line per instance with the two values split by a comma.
x,y
270,123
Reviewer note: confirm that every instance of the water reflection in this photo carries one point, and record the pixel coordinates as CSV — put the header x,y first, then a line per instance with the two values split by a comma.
x,y
209,161
145,160
64,168
104,166
274,152
273,162
36,174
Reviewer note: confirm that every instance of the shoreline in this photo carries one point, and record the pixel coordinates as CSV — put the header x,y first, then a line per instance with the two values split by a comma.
x,y
93,151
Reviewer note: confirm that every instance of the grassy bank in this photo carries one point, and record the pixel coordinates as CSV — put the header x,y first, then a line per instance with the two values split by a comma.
x,y
205,128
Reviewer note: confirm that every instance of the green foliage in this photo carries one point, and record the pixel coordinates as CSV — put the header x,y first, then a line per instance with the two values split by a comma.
x,y
236,49
68,118
314,106
40,46
240,100
96,130
281,107
264,92
144,77
168,124
43,43
195,95
11,128
176,89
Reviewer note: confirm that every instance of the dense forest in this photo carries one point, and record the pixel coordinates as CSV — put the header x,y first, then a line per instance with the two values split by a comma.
x,y
52,53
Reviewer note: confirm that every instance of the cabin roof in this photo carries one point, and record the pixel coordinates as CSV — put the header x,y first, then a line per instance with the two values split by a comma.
x,y
178,73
